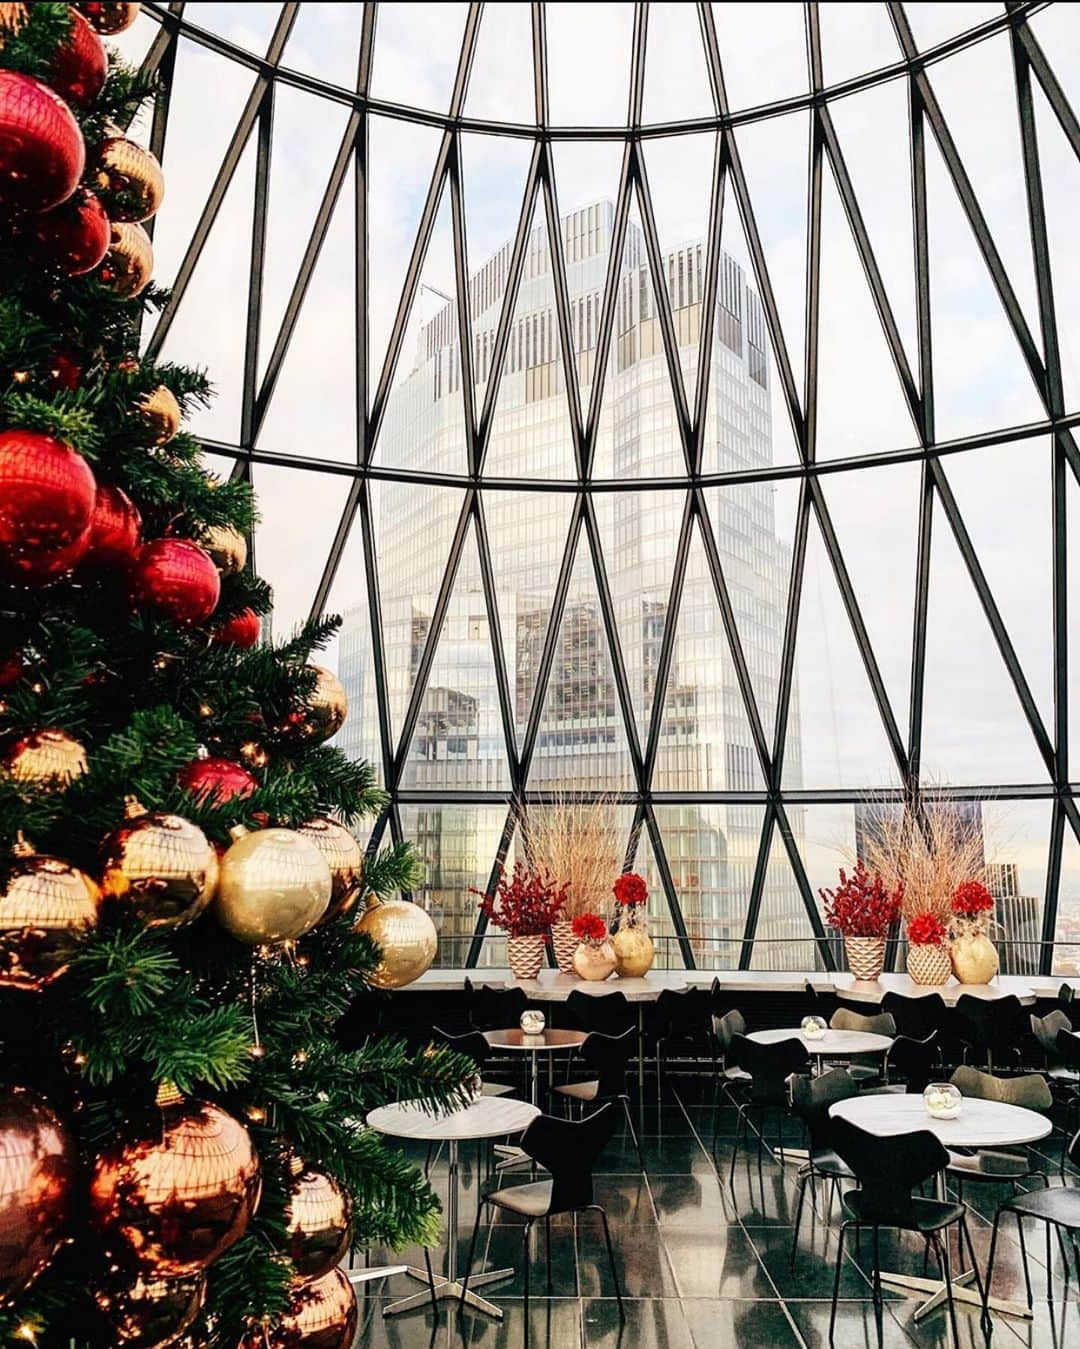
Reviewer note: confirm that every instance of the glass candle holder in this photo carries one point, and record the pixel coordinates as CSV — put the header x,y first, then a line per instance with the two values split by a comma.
x,y
813,1027
532,1021
943,1100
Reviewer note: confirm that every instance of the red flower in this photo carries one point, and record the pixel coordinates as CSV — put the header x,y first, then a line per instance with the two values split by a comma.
x,y
525,906
589,927
630,888
861,906
926,929
970,898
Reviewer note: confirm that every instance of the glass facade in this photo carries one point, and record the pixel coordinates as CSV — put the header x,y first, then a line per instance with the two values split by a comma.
x,y
675,405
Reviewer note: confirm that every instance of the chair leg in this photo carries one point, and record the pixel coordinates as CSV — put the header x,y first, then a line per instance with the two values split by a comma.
x,y
740,1125
1024,1259
836,1282
431,1280
525,1296
946,1273
798,1217
879,1301
993,1251
965,1236
472,1251
547,1251
611,1261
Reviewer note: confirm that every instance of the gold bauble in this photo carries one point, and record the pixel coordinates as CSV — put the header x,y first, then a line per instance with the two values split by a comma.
x,y
48,759
227,547
161,413
129,179
38,1184
108,16
343,856
274,885
149,1313
317,1217
406,936
974,959
327,706
321,1315
634,951
129,263
44,904
594,963
162,867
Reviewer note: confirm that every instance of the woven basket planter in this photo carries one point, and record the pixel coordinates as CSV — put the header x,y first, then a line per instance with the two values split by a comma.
x,y
865,956
525,955
928,964
565,944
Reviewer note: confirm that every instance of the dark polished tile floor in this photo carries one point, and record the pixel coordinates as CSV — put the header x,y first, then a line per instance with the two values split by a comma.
x,y
703,1263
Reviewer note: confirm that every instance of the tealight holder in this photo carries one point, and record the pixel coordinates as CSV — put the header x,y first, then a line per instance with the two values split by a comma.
x,y
532,1021
943,1100
813,1027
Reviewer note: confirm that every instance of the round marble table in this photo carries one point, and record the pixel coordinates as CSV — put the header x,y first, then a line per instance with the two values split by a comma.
x,y
834,1044
488,1117
980,1124
549,1041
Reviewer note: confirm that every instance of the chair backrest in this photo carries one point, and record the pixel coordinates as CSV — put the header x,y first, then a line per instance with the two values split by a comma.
x,y
880,1024
1074,1149
811,1098
916,1017
888,1169
683,1013
609,1055
769,1065
496,1008
726,1027
1066,994
1046,1029
568,1149
609,1013
913,1060
1068,1048
472,1042
1029,1091
989,1022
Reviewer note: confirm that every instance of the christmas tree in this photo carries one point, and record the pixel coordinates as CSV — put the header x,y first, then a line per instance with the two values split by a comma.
x,y
184,912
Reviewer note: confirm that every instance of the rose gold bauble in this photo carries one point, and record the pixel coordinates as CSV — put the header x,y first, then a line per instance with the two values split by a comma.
x,y
44,904
109,16
161,413
274,885
227,547
317,1217
149,1313
49,760
129,179
321,1315
161,867
176,1192
343,856
406,936
38,1169
129,263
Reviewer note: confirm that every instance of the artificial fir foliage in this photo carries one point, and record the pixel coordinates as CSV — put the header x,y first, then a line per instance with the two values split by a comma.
x,y
250,1030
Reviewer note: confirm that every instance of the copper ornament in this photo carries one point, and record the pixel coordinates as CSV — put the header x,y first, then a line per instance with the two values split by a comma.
x,y
317,1218
406,936
162,867
48,759
327,706
149,1313
345,859
321,1315
44,904
227,547
129,263
161,413
109,16
37,1179
274,885
129,177
176,1194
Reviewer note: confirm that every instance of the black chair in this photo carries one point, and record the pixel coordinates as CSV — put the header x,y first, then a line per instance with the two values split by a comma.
x,y
608,1013
864,1067
729,1076
1068,1052
1066,997
989,1026
494,1008
681,1019
1001,1164
811,1100
912,1061
821,1002
888,1170
609,1056
916,1017
568,1150
1045,1031
769,1066
476,1046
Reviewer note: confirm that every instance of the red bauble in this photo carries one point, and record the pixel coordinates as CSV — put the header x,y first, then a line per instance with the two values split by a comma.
x,y
36,568
176,579
65,370
115,531
46,499
42,155
74,237
216,781
11,668
241,630
80,65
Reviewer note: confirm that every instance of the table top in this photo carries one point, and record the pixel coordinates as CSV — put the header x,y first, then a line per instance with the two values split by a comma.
x,y
873,990
981,1124
548,1040
489,1117
551,986
834,1044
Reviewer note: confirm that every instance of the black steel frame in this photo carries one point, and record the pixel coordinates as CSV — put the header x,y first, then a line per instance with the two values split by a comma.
x,y
938,505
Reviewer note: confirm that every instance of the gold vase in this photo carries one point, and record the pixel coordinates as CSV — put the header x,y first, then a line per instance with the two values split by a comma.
x,y
594,962
974,959
634,951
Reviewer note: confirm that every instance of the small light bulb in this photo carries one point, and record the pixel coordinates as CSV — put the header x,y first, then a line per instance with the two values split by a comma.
x,y
205,710
20,376
256,1114
257,1051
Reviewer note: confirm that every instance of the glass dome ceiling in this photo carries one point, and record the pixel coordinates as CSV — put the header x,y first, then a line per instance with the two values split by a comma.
x,y
677,400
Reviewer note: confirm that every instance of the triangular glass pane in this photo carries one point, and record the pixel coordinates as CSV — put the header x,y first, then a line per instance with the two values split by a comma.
x,y
424,423
712,851
680,170
754,527
861,404
501,81
661,928
414,528
762,62
980,378
601,98
875,514
747,424
312,410
417,49
834,718
325,42
1072,517
1067,933
401,159
855,39
1020,578
974,730
676,73
939,20
582,744
828,840
639,533
774,155
705,740
638,432
1057,28
291,559
211,320
248,25
872,128
783,938
297,184
1061,193
1017,836
531,432
525,564
494,170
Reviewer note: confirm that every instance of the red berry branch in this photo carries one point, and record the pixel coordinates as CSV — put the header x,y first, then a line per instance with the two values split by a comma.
x,y
861,905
